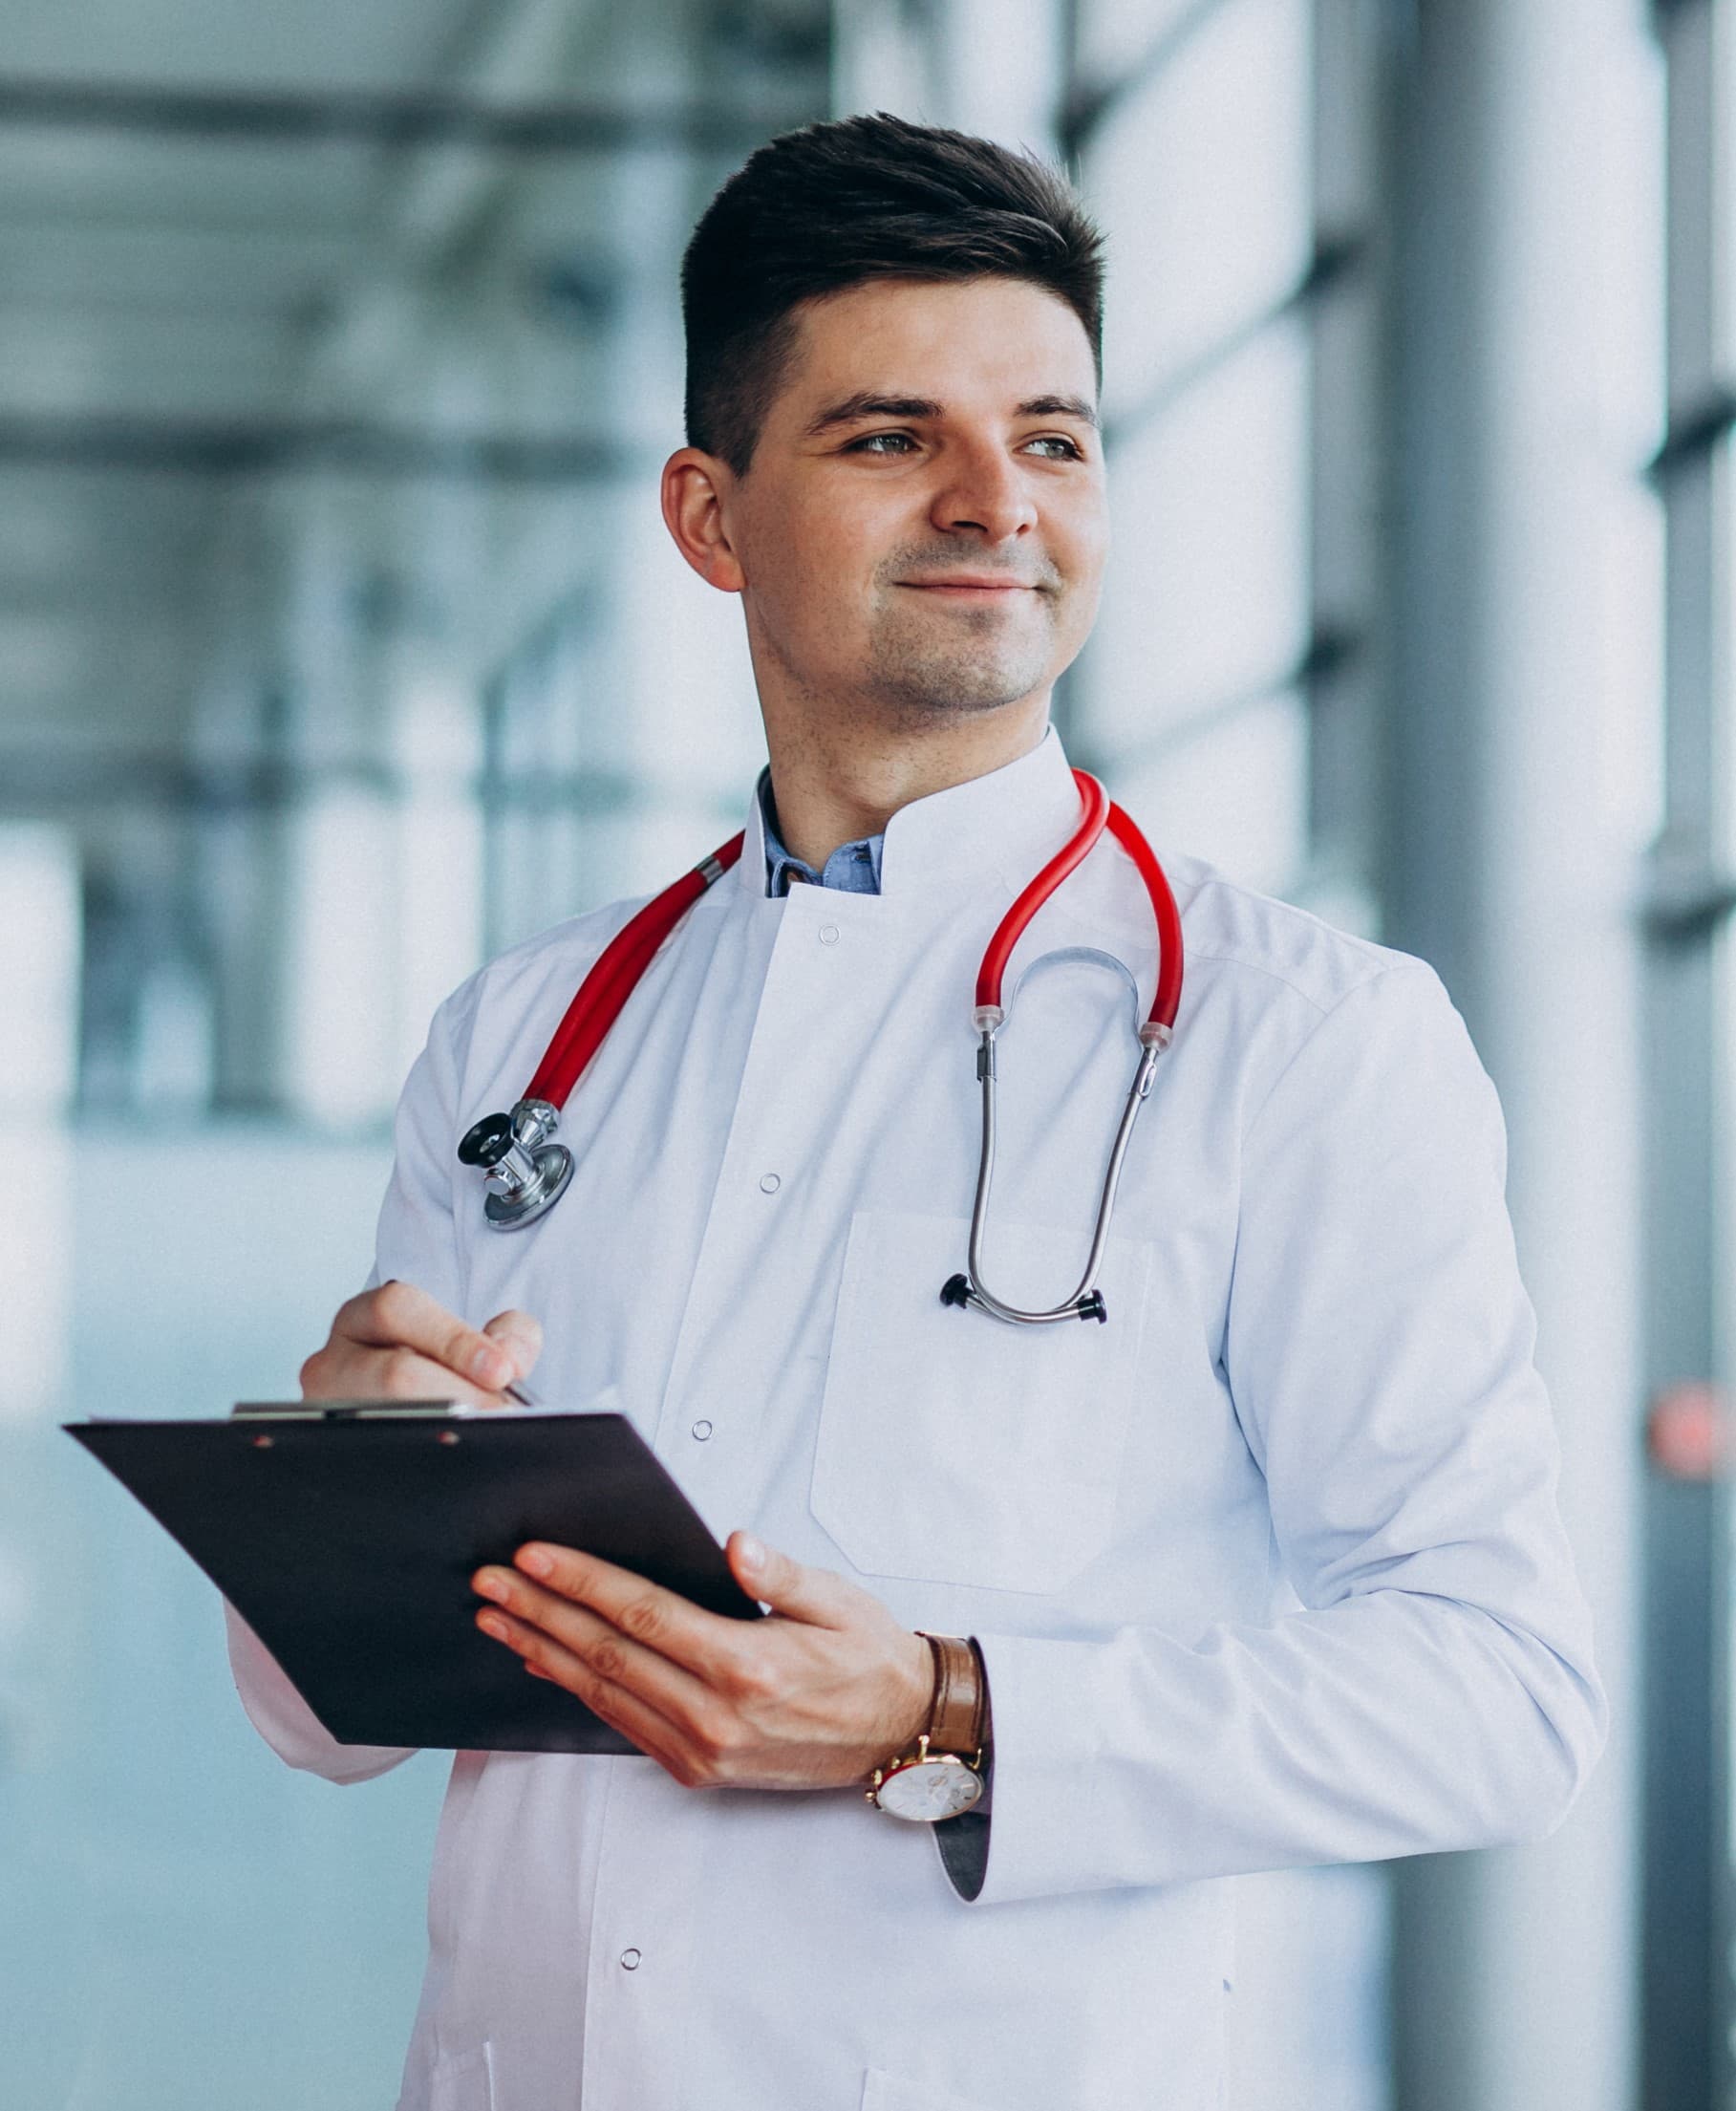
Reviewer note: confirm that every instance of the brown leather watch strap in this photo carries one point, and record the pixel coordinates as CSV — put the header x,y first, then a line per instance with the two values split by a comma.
x,y
955,1717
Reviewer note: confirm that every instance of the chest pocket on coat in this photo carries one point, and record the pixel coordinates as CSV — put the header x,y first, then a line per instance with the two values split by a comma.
x,y
956,1448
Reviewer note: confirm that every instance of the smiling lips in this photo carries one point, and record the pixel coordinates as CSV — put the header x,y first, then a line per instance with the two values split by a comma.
x,y
966,586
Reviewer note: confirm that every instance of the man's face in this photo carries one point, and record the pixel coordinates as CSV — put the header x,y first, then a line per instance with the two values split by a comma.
x,y
923,526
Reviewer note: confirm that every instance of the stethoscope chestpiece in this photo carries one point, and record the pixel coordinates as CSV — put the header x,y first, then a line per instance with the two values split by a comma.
x,y
528,1175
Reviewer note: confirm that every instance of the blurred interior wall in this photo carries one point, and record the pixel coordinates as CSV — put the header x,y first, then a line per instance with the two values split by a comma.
x,y
41,915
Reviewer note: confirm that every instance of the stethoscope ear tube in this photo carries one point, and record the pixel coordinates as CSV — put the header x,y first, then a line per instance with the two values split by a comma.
x,y
1154,1034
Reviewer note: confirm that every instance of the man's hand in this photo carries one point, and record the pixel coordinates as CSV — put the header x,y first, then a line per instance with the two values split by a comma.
x,y
397,1344
815,1696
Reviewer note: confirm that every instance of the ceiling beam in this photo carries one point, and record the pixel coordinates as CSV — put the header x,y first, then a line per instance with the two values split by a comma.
x,y
265,447
254,117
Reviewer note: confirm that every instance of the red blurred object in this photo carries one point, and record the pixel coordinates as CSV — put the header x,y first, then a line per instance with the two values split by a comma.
x,y
1687,1431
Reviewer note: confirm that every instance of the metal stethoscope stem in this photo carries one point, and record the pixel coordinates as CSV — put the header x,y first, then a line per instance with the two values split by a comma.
x,y
1087,1300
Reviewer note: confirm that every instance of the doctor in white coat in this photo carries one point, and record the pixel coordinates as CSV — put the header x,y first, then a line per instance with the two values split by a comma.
x,y
1267,1570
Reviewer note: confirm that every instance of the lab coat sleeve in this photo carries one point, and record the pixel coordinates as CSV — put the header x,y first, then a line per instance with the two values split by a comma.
x,y
416,1243
1436,1689
287,1724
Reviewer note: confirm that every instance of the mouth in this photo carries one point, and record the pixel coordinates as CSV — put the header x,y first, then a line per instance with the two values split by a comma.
x,y
965,588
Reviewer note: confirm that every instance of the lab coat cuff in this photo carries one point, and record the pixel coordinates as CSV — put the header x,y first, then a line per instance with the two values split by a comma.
x,y
1043,1746
964,1850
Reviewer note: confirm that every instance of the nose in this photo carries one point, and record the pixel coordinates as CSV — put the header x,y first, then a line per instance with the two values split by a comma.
x,y
984,491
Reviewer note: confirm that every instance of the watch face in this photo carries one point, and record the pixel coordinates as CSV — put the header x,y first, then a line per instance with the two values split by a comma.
x,y
928,1790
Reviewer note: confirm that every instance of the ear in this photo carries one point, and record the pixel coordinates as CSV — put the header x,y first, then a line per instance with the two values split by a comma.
x,y
694,488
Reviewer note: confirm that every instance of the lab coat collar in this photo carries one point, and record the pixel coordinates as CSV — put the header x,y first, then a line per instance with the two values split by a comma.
x,y
1003,824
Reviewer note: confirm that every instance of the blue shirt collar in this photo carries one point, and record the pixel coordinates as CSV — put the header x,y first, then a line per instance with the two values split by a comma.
x,y
853,868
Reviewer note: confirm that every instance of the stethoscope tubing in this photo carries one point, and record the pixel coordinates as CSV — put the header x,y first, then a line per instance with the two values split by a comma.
x,y
615,974
1012,926
1097,812
520,1161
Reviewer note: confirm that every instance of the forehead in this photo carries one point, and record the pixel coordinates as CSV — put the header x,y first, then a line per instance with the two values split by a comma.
x,y
985,342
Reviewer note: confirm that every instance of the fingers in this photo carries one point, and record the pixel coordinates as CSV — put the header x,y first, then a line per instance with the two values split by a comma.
x,y
783,1703
547,1658
659,1621
397,1342
399,1315
519,1336
814,1596
528,1618
690,1730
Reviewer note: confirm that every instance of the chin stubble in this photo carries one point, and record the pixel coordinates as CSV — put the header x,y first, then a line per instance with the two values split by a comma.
x,y
974,666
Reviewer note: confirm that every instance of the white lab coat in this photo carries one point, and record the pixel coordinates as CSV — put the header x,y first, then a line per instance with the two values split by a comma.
x,y
1267,1571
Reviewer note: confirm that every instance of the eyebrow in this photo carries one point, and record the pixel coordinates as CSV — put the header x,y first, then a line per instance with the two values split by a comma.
x,y
1059,406
850,410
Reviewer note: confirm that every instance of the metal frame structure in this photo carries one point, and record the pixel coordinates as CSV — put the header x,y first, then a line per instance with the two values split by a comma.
x,y
254,117
1689,1993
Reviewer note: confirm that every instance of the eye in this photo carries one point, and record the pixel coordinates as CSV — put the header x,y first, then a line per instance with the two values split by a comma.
x,y
1069,450
881,444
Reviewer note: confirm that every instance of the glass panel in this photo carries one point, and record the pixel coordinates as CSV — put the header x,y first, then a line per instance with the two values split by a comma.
x,y
1206,597
1116,35
1202,182
178,1905
1235,793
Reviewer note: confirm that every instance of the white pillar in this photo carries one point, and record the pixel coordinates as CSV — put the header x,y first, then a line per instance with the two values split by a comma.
x,y
336,862
1526,700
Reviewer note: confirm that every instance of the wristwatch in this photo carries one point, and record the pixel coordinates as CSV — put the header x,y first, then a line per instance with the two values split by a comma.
x,y
942,1775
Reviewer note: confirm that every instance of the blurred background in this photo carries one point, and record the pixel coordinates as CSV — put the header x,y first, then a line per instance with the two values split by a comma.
x,y
341,644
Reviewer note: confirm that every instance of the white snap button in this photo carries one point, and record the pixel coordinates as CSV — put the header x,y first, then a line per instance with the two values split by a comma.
x,y
630,1960
829,934
769,1183
701,1430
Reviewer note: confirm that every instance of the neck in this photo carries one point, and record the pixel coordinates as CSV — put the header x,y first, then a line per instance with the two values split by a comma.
x,y
835,783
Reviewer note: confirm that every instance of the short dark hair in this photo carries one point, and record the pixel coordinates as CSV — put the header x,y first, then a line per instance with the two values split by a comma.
x,y
831,206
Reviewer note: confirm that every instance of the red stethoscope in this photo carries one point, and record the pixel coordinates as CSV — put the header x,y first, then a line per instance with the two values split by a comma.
x,y
527,1172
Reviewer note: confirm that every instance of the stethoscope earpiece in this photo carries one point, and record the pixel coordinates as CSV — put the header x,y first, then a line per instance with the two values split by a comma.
x,y
957,1290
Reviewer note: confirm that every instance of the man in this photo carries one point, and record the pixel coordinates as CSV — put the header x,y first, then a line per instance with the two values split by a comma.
x,y
1264,1571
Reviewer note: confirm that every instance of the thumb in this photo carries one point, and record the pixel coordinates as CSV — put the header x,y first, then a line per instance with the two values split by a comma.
x,y
812,1595
519,1336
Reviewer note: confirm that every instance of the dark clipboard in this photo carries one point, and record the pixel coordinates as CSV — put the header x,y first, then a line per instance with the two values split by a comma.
x,y
346,1536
